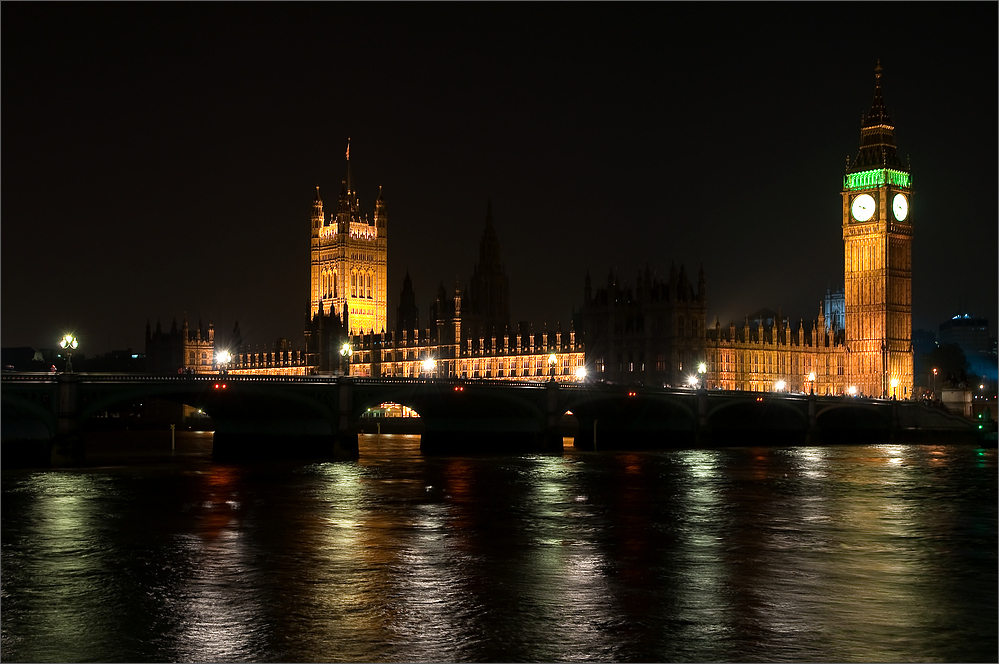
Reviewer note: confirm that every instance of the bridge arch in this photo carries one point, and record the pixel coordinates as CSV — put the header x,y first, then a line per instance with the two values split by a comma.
x,y
622,417
854,421
763,419
25,418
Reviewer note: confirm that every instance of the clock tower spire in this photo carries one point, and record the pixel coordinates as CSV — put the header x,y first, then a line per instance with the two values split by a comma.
x,y
877,239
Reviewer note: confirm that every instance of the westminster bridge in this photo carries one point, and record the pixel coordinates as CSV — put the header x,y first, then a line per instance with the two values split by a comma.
x,y
318,416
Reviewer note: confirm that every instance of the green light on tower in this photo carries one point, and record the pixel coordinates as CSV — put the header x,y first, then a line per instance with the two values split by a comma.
x,y
877,177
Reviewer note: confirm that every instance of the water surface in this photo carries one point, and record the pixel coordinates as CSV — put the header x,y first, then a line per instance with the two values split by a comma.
x,y
839,553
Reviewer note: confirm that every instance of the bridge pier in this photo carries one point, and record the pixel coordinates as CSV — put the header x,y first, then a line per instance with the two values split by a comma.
x,y
66,447
813,435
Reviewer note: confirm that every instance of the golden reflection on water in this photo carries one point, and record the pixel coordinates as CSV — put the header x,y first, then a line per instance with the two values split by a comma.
x,y
852,553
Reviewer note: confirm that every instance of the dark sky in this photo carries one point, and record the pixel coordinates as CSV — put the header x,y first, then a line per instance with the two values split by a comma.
x,y
161,159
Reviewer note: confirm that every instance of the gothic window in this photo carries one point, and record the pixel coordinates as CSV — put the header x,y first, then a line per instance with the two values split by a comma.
x,y
334,284
353,284
679,326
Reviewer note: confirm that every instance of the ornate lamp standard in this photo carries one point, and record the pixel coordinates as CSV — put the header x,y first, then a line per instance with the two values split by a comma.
x,y
894,388
428,367
702,369
345,351
69,343
811,380
552,361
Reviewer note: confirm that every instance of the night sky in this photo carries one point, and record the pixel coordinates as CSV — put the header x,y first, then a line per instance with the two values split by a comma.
x,y
161,159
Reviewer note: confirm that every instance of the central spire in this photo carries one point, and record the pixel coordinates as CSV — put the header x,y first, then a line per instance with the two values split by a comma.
x,y
877,135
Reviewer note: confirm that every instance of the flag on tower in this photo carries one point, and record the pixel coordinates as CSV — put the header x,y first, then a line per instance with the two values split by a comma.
x,y
348,149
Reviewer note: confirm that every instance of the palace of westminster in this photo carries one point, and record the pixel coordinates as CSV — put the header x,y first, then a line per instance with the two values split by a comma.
x,y
653,332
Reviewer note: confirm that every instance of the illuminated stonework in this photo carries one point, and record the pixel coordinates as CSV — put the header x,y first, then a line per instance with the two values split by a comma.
x,y
528,357
878,261
350,260
766,352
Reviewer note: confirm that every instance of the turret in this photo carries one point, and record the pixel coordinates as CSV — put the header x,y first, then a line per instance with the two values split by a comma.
x,y
318,218
381,216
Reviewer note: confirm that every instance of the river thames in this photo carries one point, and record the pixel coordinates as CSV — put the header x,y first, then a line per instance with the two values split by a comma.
x,y
835,553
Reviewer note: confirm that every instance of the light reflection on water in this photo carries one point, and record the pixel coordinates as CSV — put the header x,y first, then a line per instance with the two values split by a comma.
x,y
852,553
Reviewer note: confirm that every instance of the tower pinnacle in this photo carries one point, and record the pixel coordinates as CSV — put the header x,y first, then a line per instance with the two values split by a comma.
x,y
877,135
349,184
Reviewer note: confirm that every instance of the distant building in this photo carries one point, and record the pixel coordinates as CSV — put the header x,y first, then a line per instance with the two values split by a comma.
x,y
972,335
969,332
650,333
180,350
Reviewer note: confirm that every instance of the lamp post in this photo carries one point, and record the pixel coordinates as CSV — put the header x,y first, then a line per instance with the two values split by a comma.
x,y
780,385
894,388
702,369
222,358
811,380
933,394
552,361
69,343
345,351
428,367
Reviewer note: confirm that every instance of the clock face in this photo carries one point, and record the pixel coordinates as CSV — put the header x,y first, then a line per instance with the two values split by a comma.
x,y
900,206
863,207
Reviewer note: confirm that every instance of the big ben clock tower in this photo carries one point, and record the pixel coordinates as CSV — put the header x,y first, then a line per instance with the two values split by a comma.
x,y
877,239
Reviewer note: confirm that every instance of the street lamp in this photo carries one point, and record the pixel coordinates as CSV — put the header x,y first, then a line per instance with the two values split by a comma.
x,y
222,358
580,373
780,385
933,395
811,379
69,343
894,388
692,381
552,361
345,352
428,367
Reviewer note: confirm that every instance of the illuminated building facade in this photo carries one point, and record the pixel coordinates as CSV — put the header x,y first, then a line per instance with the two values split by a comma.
x,y
350,260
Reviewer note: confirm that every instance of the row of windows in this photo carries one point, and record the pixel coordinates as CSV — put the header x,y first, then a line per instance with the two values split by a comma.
x,y
362,284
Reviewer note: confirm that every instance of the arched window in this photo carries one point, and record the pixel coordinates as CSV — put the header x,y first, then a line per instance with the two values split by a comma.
x,y
353,284
367,285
